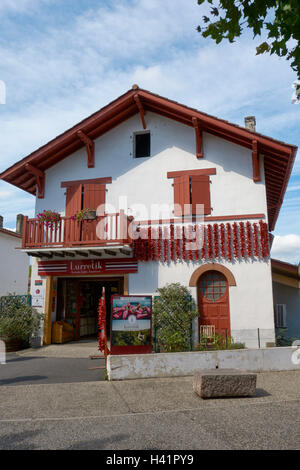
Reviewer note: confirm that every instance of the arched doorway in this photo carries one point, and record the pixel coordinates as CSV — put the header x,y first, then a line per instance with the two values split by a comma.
x,y
213,301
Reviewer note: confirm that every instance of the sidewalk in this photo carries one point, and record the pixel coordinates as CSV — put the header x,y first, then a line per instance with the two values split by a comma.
x,y
74,349
150,414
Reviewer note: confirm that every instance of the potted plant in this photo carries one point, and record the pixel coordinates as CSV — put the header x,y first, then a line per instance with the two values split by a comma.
x,y
49,218
18,323
86,214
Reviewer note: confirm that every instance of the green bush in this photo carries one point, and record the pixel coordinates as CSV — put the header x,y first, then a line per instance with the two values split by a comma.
x,y
282,339
18,320
173,312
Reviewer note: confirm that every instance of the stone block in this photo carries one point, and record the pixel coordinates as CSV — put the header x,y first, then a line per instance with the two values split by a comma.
x,y
224,383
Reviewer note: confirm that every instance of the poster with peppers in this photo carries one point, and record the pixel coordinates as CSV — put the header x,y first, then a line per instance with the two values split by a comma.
x,y
131,324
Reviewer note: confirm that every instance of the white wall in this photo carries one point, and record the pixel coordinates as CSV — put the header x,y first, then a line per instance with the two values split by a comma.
x,y
250,301
144,180
14,266
187,363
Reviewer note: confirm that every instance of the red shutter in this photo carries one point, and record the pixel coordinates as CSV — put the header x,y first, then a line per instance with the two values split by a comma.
x,y
181,194
94,195
73,200
201,193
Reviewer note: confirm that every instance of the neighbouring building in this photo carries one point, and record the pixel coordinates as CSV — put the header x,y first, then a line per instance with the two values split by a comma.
x,y
14,264
286,293
135,154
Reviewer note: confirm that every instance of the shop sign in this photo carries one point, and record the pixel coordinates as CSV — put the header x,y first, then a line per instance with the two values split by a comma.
x,y
87,267
131,324
37,297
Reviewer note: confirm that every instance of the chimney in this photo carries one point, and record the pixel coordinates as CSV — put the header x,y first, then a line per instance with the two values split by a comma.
x,y
1,221
250,123
19,226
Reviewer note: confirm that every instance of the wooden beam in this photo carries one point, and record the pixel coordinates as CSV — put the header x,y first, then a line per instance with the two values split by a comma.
x,y
110,252
199,139
46,255
141,109
95,253
255,162
90,148
59,253
39,177
125,252
66,184
48,310
82,253
203,171
69,253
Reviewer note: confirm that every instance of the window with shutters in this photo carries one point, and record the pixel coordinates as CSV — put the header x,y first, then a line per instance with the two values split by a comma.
x,y
84,196
280,316
192,192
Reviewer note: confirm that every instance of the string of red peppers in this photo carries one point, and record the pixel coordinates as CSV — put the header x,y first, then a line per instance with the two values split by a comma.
x,y
201,242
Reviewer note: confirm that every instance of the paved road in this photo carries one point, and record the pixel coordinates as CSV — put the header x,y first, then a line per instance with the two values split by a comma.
x,y
149,414
26,370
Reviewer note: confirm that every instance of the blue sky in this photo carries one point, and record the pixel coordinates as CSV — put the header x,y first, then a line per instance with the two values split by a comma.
x,y
61,60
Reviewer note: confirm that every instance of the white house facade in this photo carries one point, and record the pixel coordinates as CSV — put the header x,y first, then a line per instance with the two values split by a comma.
x,y
14,265
180,196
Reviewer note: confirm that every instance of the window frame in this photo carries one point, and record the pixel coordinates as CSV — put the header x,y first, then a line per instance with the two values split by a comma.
x,y
134,143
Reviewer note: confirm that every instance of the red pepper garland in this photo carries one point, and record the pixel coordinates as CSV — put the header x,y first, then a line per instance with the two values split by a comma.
x,y
242,239
263,239
158,256
255,240
191,240
152,243
216,241
235,240
183,244
228,234
197,241
177,246
101,325
209,241
143,245
222,239
249,239
166,244
203,250
169,243
267,240
172,247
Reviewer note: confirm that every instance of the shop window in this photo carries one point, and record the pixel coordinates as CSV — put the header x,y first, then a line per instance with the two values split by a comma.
x,y
142,145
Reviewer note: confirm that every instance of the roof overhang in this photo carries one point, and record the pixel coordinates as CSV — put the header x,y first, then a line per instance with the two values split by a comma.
x,y
278,156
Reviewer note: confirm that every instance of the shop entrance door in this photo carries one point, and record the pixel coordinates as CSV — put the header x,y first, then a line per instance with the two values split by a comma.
x,y
78,301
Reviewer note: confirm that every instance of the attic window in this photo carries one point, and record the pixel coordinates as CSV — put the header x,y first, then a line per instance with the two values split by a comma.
x,y
142,144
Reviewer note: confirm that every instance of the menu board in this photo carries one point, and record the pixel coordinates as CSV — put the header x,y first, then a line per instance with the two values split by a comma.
x,y
131,324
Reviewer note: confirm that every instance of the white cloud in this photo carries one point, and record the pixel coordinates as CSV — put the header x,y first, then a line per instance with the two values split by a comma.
x,y
286,248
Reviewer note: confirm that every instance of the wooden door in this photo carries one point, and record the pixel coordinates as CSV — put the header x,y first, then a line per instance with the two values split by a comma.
x,y
213,302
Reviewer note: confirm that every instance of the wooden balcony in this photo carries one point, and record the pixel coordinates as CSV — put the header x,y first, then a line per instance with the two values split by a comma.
x,y
107,231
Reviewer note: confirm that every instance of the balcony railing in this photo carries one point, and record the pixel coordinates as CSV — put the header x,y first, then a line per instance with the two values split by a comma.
x,y
104,230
